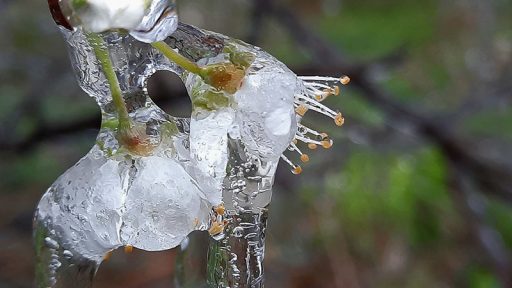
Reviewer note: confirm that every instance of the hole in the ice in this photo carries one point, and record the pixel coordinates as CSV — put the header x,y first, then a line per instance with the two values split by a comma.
x,y
138,269
168,91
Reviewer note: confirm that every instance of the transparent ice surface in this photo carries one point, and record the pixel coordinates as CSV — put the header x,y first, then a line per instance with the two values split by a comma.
x,y
146,20
266,115
87,203
159,22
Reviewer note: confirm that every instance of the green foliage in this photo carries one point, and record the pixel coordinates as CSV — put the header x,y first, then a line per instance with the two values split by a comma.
x,y
491,123
481,278
366,32
500,216
356,108
30,169
404,193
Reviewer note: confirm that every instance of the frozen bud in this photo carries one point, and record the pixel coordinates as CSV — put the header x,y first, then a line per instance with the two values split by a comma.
x,y
146,20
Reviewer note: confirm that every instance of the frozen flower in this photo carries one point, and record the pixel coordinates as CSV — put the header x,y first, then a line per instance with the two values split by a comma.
x,y
262,115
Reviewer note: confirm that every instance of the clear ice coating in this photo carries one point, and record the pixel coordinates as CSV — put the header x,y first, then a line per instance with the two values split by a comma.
x,y
146,20
152,179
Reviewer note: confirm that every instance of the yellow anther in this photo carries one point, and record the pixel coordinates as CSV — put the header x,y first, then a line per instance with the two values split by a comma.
x,y
324,135
220,210
128,249
336,90
107,256
345,80
327,144
301,110
216,228
339,119
312,146
304,158
295,141
319,97
297,170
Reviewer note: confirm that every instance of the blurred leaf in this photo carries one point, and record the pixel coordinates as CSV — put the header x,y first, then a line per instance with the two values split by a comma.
x,y
369,29
491,123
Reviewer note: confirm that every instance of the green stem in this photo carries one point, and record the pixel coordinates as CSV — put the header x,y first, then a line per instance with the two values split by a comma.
x,y
102,54
177,58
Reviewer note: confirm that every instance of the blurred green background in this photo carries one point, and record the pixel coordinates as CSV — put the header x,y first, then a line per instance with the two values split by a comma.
x,y
416,192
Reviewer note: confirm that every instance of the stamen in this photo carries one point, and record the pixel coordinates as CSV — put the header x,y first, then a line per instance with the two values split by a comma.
x,y
312,85
339,119
307,140
287,161
220,210
319,78
296,169
306,130
301,110
336,91
327,144
345,80
303,157
315,105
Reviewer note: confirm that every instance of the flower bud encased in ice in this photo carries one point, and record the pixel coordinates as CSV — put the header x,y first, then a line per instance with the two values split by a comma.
x,y
146,20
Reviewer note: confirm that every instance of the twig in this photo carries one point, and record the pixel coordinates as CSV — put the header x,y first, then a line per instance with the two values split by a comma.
x,y
475,207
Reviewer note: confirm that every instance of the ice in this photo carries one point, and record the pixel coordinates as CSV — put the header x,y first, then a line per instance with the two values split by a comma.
x,y
160,21
163,205
152,179
259,119
84,206
99,15
146,20
266,114
209,149
139,192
